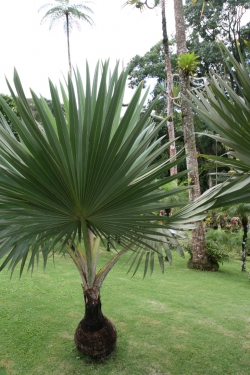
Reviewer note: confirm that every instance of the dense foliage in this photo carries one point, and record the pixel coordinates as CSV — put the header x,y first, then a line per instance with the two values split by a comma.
x,y
5,120
218,18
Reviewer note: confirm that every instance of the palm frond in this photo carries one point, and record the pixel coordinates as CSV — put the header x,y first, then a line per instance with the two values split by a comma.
x,y
227,111
85,168
73,11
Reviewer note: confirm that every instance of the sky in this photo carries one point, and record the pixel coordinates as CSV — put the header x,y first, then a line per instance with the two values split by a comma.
x,y
39,53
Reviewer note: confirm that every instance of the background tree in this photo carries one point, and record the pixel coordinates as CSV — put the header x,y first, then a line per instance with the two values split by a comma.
x,y
4,119
211,19
151,65
169,81
168,70
200,257
70,14
150,68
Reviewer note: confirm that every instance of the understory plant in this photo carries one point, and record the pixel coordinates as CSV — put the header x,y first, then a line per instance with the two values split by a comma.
x,y
87,173
217,242
220,245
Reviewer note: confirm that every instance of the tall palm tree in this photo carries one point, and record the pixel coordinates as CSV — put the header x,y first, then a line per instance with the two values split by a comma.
x,y
83,174
70,14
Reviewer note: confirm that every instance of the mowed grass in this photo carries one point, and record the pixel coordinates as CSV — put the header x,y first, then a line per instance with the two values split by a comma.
x,y
181,323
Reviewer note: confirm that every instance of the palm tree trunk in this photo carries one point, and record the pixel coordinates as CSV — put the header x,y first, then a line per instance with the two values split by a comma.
x,y
169,79
95,335
67,29
200,258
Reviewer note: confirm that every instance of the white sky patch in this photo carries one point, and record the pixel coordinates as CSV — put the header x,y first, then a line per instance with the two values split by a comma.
x,y
39,53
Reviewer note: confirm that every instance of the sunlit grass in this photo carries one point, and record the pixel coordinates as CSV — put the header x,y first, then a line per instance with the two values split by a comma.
x,y
181,323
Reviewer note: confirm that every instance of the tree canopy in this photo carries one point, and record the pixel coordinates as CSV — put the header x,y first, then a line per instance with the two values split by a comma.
x,y
219,18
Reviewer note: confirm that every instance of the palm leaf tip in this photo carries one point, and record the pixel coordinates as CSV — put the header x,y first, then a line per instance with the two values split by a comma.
x,y
159,245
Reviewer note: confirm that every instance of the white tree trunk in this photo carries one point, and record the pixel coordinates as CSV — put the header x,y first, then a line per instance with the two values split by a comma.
x,y
169,79
67,28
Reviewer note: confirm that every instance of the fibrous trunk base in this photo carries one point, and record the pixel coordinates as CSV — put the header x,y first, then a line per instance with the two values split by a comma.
x,y
207,266
96,343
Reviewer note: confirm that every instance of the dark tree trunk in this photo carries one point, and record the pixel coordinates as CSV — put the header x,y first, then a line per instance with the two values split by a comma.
x,y
244,222
95,335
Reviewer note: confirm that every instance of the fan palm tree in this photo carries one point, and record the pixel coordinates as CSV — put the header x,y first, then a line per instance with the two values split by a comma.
x,y
70,13
227,113
82,175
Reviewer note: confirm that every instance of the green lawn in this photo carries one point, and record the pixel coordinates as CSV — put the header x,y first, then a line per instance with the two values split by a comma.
x,y
181,323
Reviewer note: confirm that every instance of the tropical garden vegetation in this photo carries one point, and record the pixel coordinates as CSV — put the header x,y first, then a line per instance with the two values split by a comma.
x,y
83,173
200,258
152,65
217,19
227,113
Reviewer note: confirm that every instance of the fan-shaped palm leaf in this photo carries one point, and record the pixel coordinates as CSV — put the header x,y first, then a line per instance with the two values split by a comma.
x,y
228,113
85,169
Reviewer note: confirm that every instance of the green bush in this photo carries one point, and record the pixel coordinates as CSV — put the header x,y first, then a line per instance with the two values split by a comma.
x,y
221,244
216,252
5,118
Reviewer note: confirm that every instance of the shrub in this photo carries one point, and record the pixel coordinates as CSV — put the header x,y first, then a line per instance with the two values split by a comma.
x,y
216,252
221,243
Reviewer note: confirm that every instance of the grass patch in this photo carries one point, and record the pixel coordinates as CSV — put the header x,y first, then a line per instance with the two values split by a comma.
x,y
181,323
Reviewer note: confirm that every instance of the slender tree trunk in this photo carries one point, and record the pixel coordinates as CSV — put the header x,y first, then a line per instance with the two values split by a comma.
x,y
244,222
67,29
187,116
200,257
95,335
169,79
